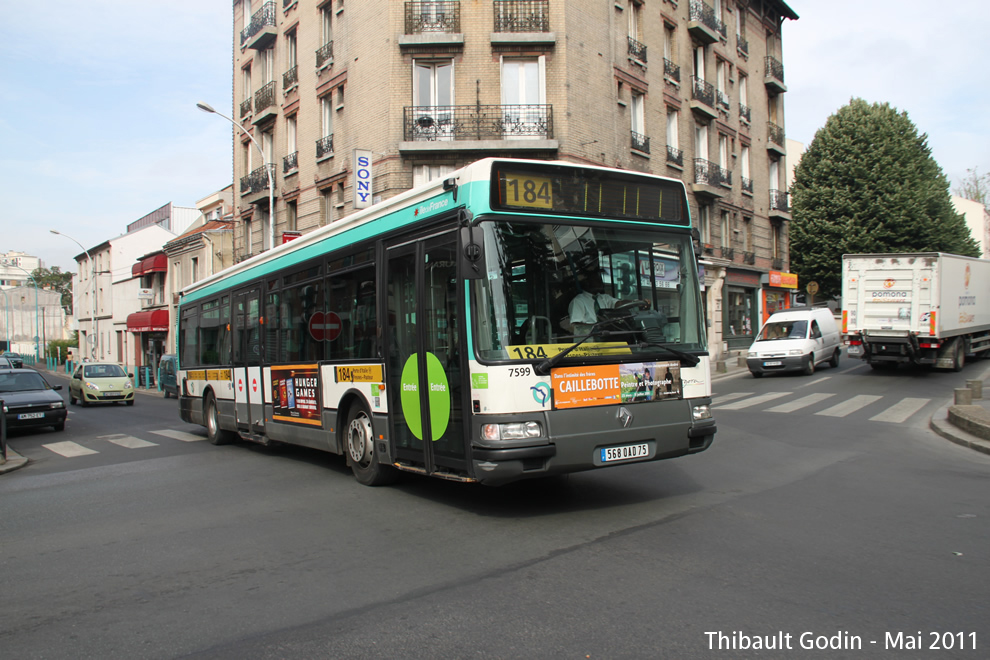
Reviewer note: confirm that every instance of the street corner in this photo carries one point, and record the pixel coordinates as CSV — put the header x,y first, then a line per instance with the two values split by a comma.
x,y
14,461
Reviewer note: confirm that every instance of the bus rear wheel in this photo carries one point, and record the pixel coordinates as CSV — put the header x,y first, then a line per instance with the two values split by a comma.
x,y
359,448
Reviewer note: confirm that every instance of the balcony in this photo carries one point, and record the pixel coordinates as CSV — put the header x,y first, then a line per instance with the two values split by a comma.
x,y
742,46
675,157
640,142
703,25
246,108
749,258
432,23
728,253
703,98
264,103
708,179
637,51
777,264
324,147
261,31
437,128
746,185
779,205
773,75
671,72
722,99
257,182
775,139
745,114
522,16
324,55
290,163
290,79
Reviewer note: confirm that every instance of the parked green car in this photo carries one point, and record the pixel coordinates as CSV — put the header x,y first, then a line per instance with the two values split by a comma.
x,y
101,382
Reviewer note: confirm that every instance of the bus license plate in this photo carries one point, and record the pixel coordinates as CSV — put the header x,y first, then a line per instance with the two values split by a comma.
x,y
624,453
31,416
772,363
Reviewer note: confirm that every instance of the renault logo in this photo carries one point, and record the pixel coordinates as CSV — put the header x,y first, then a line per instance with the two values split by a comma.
x,y
624,416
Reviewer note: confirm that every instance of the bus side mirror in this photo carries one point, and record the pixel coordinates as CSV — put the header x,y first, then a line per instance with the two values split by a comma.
x,y
472,259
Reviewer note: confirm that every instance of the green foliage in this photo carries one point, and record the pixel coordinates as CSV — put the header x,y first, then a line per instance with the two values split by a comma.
x,y
976,187
53,278
868,183
55,346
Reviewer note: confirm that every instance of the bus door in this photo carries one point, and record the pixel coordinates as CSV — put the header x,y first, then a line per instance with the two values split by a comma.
x,y
423,352
248,382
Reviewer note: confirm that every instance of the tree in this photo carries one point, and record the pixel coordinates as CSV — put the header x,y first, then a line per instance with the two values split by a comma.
x,y
975,187
868,183
53,278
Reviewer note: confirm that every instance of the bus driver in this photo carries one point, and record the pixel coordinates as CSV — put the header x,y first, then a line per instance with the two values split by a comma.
x,y
584,307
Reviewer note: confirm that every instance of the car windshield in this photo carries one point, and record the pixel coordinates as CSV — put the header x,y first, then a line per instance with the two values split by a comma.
x,y
22,382
103,371
777,330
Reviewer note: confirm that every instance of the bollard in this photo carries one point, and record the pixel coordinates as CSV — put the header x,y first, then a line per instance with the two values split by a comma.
x,y
977,387
964,396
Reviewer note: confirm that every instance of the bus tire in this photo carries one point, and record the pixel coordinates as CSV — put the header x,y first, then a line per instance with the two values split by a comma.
x,y
359,448
214,433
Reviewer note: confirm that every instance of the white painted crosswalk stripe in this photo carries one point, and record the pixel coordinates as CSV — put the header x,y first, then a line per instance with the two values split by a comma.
x,y
179,435
128,441
725,398
797,404
900,411
69,449
850,405
754,401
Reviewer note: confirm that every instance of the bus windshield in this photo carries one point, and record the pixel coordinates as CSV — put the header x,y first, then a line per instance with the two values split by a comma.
x,y
626,291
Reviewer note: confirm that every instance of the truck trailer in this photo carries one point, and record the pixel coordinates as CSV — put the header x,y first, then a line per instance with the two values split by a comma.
x,y
926,308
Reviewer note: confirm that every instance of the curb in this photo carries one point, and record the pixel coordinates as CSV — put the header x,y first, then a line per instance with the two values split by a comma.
x,y
14,461
940,423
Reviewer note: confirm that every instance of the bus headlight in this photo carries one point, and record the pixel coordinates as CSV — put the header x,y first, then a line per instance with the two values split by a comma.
x,y
511,431
701,412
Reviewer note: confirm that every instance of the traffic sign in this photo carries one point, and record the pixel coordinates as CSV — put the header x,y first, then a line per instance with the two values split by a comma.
x,y
324,327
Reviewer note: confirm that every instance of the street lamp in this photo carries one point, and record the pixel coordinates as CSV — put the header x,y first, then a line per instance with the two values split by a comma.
x,y
6,323
92,279
269,169
37,317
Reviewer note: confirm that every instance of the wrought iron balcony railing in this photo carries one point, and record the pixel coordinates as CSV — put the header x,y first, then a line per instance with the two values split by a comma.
x,y
261,18
779,201
745,113
703,91
746,184
246,107
290,78
522,15
710,174
671,70
702,13
775,133
749,258
777,263
264,97
640,142
637,50
290,162
675,156
257,180
477,122
324,146
723,100
728,253
324,54
422,17
774,68
742,45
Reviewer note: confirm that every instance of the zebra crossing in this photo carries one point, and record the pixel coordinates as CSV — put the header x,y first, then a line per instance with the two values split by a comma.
x,y
70,449
884,409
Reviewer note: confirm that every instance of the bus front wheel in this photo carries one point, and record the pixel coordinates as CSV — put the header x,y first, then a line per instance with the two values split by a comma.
x,y
359,447
214,433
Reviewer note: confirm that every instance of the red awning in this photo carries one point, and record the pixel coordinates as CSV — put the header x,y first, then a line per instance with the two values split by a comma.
x,y
155,264
155,320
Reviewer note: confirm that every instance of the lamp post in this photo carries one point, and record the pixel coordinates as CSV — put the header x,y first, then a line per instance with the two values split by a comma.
x,y
6,310
269,170
37,317
92,279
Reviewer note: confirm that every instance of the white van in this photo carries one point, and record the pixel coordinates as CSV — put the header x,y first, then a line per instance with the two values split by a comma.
x,y
797,339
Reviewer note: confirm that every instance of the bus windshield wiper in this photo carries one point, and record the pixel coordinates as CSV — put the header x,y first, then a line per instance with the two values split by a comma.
x,y
543,368
690,358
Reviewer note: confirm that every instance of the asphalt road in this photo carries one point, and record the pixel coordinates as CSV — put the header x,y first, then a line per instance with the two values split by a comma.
x,y
808,515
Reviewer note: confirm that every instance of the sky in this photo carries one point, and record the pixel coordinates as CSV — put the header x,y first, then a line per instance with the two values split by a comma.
x,y
100,125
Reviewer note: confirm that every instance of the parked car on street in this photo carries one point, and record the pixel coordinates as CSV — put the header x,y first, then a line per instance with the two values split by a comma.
x,y
15,359
5,363
30,400
168,369
101,382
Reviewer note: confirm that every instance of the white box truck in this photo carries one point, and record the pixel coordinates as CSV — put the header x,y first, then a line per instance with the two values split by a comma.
x,y
926,308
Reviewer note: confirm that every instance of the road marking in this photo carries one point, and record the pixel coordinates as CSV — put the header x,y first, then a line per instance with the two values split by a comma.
x,y
850,405
754,401
128,441
179,435
725,398
800,403
901,411
69,449
816,381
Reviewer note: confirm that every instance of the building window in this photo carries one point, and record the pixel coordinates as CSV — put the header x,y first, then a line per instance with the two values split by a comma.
x,y
291,216
326,206
637,116
290,135
701,141
726,235
340,97
776,239
723,151
326,18
748,233
704,223
423,174
195,269
291,48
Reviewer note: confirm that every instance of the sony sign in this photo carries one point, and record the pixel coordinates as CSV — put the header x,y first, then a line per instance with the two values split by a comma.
x,y
362,178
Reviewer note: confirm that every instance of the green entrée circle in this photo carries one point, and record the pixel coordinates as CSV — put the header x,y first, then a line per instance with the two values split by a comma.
x,y
438,396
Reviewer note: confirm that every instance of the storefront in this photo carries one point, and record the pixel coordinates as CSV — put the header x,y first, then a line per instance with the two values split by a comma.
x,y
151,330
740,308
778,292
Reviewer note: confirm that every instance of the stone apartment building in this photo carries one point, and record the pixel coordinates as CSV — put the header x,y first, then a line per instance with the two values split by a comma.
x,y
690,89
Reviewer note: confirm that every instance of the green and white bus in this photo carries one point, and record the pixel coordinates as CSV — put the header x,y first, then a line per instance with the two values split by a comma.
x,y
431,332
